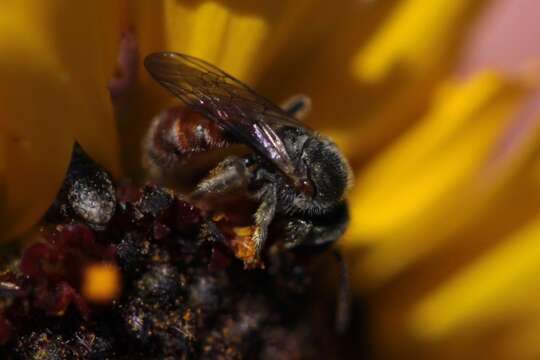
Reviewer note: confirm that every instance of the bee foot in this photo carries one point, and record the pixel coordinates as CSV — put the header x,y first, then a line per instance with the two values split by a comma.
x,y
296,231
297,106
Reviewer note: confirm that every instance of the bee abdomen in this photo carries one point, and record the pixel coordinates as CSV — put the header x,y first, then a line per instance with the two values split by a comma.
x,y
176,134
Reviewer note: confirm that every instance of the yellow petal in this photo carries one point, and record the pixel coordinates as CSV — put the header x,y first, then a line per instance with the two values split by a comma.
x,y
521,341
501,284
412,44
230,35
215,33
416,36
412,196
198,31
53,90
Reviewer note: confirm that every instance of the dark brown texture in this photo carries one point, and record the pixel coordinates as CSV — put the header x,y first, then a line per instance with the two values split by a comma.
x,y
184,295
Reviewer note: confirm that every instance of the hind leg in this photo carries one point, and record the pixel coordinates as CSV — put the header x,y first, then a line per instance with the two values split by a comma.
x,y
230,174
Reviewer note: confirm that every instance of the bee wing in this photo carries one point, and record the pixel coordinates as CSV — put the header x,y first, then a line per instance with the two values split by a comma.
x,y
238,109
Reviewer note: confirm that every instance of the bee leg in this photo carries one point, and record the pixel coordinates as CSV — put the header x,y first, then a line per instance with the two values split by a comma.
x,y
303,232
231,173
264,214
295,232
297,106
316,231
343,308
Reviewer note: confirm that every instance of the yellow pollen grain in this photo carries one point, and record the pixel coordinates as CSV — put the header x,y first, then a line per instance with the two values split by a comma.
x,y
219,217
243,231
101,283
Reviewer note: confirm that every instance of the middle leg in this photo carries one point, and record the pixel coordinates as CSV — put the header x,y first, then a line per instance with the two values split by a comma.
x,y
234,173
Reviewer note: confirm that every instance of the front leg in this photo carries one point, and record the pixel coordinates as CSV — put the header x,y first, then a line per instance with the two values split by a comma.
x,y
264,214
235,173
321,231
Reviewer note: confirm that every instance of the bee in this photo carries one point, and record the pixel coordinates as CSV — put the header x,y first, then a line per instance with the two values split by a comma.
x,y
292,173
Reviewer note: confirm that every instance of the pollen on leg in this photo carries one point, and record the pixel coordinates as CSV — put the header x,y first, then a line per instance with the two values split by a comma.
x,y
244,246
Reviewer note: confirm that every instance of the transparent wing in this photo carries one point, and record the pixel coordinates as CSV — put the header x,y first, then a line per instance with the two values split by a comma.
x,y
238,109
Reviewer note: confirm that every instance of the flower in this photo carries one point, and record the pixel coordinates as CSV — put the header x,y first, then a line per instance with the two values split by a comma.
x,y
434,102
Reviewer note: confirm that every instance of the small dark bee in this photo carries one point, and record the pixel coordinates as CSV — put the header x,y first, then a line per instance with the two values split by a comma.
x,y
293,172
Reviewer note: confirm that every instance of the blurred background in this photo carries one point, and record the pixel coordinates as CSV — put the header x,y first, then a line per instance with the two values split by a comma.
x,y
435,102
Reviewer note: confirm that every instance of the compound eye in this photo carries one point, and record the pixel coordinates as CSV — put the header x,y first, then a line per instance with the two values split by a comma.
x,y
305,186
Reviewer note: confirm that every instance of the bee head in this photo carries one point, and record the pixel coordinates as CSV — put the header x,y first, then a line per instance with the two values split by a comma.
x,y
327,171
